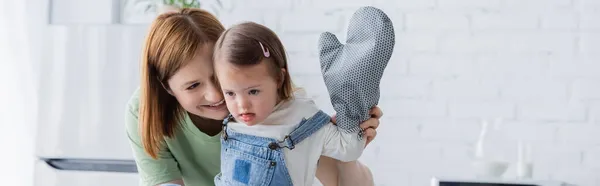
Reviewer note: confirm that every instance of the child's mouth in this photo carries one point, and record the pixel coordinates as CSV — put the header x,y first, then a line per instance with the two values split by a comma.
x,y
247,117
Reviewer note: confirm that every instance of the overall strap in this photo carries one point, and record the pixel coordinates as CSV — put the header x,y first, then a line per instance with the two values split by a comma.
x,y
225,122
306,128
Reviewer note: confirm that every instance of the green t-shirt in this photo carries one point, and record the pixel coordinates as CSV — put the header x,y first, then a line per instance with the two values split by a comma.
x,y
190,154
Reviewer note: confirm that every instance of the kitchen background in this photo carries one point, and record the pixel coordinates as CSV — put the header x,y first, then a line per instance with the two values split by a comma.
x,y
534,65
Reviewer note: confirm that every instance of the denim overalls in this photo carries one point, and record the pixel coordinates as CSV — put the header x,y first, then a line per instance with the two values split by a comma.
x,y
259,161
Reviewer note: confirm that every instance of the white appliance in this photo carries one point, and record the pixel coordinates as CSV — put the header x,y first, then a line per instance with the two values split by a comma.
x,y
441,181
88,73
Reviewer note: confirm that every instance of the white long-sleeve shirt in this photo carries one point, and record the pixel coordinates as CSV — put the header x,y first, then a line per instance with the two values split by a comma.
x,y
302,160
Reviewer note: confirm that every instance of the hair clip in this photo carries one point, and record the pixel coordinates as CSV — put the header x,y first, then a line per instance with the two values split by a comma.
x,y
265,51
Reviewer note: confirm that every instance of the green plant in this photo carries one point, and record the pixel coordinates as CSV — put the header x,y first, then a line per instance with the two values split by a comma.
x,y
183,3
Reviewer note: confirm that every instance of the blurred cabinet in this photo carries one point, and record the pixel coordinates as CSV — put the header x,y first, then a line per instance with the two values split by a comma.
x,y
102,12
65,12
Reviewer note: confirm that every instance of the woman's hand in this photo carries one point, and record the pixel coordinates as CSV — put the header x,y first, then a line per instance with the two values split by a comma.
x,y
369,126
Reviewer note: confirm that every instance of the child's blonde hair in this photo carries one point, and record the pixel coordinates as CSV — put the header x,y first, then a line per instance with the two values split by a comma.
x,y
244,45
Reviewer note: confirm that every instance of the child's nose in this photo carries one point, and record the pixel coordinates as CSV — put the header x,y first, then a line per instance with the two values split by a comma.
x,y
243,103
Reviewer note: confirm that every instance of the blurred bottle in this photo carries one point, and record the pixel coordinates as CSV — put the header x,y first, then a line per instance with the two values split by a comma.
x,y
524,163
490,156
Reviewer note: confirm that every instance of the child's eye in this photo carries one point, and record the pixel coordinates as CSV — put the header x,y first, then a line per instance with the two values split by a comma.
x,y
193,86
229,93
253,92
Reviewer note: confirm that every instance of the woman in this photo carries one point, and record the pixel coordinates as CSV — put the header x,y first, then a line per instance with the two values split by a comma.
x,y
174,119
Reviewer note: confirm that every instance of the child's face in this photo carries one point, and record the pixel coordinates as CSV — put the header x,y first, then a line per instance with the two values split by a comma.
x,y
250,92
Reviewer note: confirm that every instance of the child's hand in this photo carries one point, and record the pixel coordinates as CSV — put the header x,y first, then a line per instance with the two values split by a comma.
x,y
369,127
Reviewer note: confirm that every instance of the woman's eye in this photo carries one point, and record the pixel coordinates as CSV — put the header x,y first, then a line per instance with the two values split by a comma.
x,y
229,93
253,92
193,86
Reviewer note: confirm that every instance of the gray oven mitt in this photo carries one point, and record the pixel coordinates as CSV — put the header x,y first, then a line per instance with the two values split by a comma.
x,y
352,72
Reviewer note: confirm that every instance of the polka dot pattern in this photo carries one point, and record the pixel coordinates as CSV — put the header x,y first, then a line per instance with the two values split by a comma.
x,y
352,72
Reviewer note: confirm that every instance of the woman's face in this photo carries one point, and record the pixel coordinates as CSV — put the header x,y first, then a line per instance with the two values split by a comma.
x,y
195,88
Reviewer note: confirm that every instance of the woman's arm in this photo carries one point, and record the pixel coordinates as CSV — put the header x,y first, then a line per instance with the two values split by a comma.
x,y
332,172
151,171
327,171
354,173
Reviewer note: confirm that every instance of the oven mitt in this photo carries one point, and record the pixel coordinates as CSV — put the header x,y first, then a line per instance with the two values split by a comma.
x,y
352,71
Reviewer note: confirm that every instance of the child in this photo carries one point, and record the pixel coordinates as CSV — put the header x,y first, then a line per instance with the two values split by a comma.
x,y
275,134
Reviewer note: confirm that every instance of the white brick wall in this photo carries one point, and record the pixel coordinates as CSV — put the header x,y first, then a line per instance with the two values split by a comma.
x,y
536,63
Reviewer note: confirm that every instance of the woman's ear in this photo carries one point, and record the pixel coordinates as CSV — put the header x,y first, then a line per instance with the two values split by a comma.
x,y
166,88
170,92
